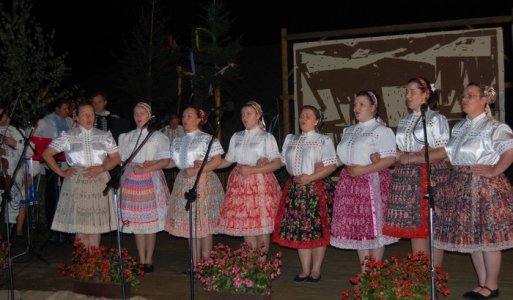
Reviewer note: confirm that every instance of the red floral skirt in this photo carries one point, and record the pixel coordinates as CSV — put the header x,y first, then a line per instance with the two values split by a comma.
x,y
250,204
304,215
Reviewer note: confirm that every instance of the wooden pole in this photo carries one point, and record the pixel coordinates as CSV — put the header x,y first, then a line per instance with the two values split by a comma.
x,y
285,82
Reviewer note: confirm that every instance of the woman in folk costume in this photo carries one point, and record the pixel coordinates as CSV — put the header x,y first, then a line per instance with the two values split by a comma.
x,y
187,153
302,221
144,192
407,208
476,205
253,192
361,195
90,153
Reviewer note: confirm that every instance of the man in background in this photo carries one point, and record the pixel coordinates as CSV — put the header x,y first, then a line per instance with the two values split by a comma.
x,y
104,119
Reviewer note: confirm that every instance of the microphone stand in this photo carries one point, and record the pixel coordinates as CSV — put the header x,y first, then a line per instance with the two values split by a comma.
x,y
431,201
115,183
7,198
191,197
26,145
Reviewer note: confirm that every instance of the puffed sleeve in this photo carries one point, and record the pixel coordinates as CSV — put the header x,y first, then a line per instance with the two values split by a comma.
x,y
217,149
328,153
123,143
162,146
173,149
386,142
61,143
230,156
502,139
110,143
440,132
284,147
271,147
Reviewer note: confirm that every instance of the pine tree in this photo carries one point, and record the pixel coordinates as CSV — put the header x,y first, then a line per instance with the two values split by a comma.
x,y
148,63
29,69
215,52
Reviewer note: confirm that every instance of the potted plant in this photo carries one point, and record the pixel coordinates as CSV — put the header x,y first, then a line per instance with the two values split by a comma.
x,y
95,271
409,278
228,273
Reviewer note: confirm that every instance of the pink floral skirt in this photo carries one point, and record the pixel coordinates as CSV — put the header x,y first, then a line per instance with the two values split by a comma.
x,y
359,206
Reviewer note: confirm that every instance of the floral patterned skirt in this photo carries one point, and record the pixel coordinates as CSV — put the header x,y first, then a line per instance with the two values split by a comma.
x,y
205,210
475,213
250,204
407,209
359,206
304,215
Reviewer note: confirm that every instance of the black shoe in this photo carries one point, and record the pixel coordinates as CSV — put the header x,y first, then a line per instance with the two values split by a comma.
x,y
300,279
148,268
314,280
493,293
472,294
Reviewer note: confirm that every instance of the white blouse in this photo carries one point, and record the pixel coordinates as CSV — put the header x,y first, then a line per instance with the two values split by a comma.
x,y
248,146
361,140
13,154
193,146
85,147
410,133
478,141
300,152
156,148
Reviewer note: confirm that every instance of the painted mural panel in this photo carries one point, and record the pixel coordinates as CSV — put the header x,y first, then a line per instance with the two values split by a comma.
x,y
328,74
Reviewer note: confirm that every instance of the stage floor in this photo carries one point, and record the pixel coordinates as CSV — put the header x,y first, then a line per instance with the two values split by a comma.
x,y
171,256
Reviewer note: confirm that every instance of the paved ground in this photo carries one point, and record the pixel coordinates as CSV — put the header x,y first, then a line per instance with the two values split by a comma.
x,y
31,273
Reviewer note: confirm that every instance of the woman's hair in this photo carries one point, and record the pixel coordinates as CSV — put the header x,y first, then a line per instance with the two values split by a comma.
x,y
489,93
318,115
200,114
254,105
427,87
373,99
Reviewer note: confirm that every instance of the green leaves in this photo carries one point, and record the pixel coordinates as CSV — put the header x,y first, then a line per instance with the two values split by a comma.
x,y
29,69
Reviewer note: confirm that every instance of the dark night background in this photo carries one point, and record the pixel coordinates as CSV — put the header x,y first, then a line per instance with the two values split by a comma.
x,y
91,31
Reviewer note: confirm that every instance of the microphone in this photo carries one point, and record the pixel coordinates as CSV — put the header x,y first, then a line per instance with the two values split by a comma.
x,y
151,121
226,106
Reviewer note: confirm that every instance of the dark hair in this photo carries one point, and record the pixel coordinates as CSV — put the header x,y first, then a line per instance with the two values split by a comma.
x,y
56,104
424,85
92,94
318,115
84,104
202,117
369,94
